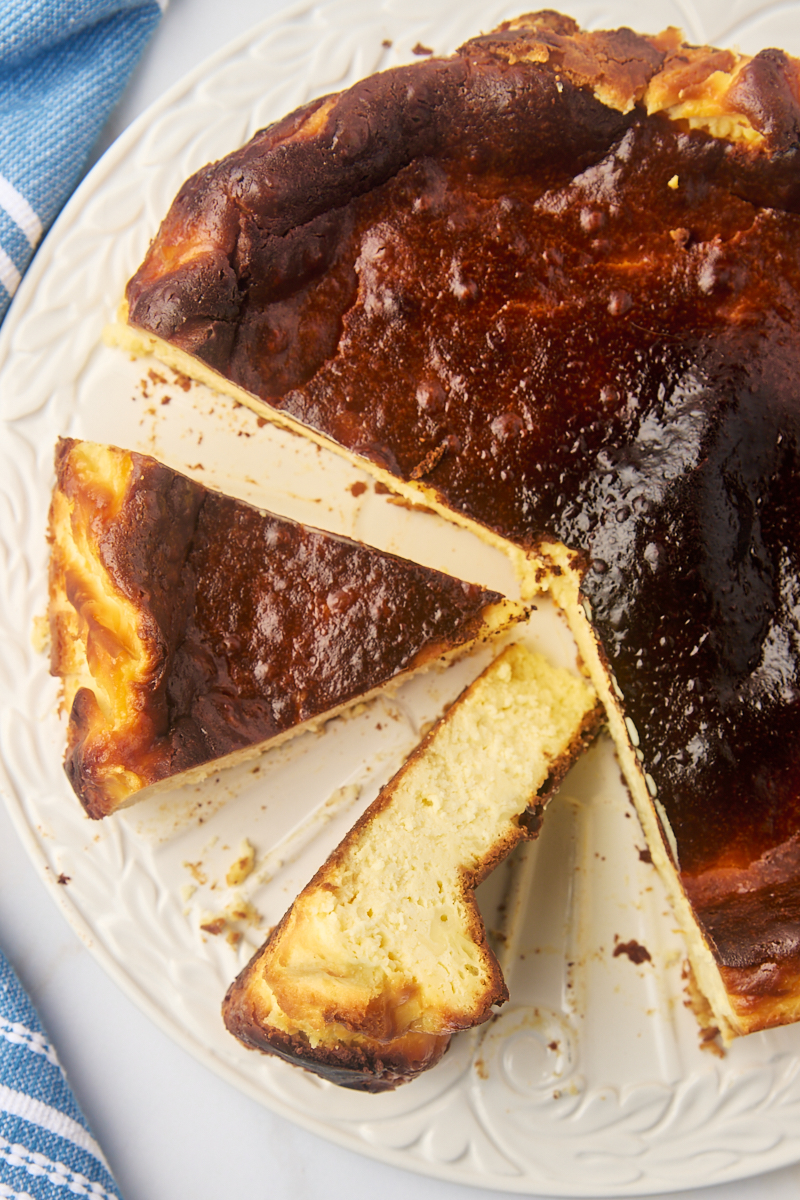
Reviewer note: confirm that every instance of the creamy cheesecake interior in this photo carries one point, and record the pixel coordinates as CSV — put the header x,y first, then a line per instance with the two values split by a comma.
x,y
383,955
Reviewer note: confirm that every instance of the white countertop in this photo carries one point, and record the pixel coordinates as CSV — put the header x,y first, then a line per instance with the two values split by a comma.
x,y
169,1128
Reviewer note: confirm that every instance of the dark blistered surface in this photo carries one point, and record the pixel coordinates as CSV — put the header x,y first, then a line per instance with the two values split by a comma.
x,y
299,621
586,329
277,623
613,362
761,926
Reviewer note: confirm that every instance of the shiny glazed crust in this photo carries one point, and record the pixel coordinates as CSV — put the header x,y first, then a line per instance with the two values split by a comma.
x,y
191,630
537,86
551,286
384,955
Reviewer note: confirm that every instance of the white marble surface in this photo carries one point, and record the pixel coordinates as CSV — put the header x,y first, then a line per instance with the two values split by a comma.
x,y
169,1128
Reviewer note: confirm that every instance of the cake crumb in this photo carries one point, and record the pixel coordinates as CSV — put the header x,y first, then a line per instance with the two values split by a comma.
x,y
637,953
182,381
243,866
480,1068
242,910
195,869
214,925
40,633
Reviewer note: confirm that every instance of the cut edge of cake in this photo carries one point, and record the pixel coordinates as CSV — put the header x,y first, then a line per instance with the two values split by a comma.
x,y
383,955
714,1005
418,493
552,568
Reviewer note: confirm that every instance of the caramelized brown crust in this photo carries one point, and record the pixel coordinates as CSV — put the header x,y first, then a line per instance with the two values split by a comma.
x,y
761,970
555,280
363,1064
374,1017
211,628
537,97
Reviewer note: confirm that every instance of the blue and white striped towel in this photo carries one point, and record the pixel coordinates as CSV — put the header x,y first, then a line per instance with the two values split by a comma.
x,y
47,1151
63,65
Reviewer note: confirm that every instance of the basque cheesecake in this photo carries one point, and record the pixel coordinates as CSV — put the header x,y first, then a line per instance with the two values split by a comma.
x,y
550,286
191,630
383,956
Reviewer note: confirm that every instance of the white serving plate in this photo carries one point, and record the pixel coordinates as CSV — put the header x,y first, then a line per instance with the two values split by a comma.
x,y
591,1080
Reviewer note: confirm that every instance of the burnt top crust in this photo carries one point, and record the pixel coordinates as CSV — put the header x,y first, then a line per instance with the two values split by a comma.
x,y
243,625
556,277
537,101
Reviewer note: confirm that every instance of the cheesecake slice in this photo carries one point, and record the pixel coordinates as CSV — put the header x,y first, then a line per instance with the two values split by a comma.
x,y
192,630
383,956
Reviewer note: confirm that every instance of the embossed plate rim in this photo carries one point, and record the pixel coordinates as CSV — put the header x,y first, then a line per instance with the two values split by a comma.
x,y
24,818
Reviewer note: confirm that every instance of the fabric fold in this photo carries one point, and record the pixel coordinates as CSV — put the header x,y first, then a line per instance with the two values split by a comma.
x,y
47,1149
63,66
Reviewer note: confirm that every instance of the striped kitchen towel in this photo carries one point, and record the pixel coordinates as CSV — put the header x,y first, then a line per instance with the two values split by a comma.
x,y
47,1151
63,65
